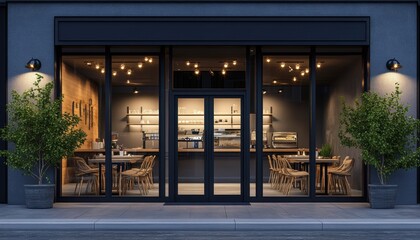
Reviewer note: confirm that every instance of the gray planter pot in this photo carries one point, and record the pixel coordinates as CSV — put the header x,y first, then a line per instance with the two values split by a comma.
x,y
39,196
382,196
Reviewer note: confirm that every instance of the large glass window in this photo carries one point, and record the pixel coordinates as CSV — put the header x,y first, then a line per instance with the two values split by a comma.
x,y
285,119
82,87
340,169
135,125
209,67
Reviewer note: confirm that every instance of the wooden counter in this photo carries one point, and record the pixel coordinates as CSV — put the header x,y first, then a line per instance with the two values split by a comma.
x,y
195,150
129,150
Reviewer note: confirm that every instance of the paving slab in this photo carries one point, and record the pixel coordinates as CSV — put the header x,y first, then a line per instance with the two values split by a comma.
x,y
256,216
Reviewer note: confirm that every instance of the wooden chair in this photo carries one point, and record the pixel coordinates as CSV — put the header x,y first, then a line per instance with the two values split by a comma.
x,y
142,176
85,172
291,176
339,178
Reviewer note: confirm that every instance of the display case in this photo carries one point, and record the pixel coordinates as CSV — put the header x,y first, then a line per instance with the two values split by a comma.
x,y
227,138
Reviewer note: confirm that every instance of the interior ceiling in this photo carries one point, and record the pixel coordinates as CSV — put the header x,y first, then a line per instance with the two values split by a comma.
x,y
331,67
211,59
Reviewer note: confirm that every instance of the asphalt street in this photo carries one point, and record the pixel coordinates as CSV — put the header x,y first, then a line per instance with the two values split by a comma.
x,y
230,235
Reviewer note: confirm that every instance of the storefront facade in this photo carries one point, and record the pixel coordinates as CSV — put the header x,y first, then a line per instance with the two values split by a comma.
x,y
156,80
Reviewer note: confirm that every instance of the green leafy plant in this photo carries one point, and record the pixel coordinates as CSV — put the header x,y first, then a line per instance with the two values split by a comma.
x,y
326,150
380,127
41,134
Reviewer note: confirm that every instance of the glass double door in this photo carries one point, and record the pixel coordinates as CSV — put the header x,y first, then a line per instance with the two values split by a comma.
x,y
208,149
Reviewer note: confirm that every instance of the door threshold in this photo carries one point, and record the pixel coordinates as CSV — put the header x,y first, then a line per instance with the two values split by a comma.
x,y
205,203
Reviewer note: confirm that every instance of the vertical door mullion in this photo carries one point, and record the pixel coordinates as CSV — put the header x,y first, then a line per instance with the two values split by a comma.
x,y
210,147
173,162
162,128
245,155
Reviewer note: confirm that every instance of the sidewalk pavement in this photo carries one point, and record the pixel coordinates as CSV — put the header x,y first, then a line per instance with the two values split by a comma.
x,y
256,216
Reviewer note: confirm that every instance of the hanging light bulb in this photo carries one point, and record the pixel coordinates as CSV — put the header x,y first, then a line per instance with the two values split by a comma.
x,y
282,64
135,91
122,66
294,79
129,71
268,60
280,90
307,70
226,65
318,65
234,62
297,66
223,71
140,64
195,65
302,73
188,63
146,59
150,60
114,73
97,66
274,81
103,70
128,81
196,71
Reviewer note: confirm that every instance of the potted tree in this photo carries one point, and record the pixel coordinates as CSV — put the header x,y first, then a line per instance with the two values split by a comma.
x,y
42,136
380,127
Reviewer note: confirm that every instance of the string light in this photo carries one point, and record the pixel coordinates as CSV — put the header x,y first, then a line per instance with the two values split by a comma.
x,y
297,66
274,81
294,79
122,66
114,73
128,81
140,65
318,65
150,60
103,70
226,65
196,65
234,62
223,71
268,60
282,64
129,71
307,70
302,73
196,71
188,63
146,59
97,66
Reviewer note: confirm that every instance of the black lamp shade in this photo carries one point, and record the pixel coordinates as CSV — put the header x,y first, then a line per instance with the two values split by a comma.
x,y
33,64
393,65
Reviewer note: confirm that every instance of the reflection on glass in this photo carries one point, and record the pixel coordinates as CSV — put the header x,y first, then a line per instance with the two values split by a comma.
x,y
191,158
227,146
285,116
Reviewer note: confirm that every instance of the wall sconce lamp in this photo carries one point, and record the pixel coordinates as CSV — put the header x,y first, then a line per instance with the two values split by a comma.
x,y
33,64
393,65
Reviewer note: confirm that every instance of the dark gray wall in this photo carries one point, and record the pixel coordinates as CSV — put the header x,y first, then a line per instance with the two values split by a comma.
x,y
3,97
347,84
394,36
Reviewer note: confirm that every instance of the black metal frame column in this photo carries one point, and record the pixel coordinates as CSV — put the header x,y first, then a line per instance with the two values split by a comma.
x,y
108,123
3,98
259,124
312,123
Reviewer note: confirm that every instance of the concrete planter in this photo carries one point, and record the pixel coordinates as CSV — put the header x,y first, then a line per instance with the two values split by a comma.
x,y
382,196
39,196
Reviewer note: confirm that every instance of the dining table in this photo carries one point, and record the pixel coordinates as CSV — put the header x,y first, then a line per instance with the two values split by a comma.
x,y
323,162
120,160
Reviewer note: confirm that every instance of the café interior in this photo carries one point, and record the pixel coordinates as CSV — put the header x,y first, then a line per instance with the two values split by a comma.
x,y
194,121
